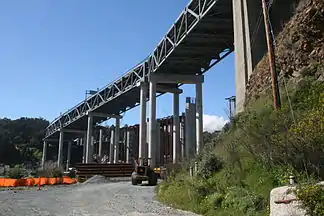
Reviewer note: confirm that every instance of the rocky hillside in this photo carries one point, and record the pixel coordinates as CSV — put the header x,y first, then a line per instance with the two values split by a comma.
x,y
299,50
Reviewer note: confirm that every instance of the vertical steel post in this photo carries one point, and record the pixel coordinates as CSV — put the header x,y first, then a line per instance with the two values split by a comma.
x,y
117,139
68,161
100,144
60,149
152,124
44,153
142,129
111,149
199,116
89,137
128,145
176,128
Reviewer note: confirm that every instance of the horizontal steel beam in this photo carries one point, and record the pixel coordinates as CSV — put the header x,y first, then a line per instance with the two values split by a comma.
x,y
73,131
104,115
166,89
176,78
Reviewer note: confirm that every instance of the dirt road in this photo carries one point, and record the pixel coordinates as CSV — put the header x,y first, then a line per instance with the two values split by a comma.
x,y
111,199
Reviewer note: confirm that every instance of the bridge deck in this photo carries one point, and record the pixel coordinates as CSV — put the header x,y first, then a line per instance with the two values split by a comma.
x,y
200,37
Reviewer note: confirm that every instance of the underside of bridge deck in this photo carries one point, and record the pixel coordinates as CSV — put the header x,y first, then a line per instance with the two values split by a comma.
x,y
201,37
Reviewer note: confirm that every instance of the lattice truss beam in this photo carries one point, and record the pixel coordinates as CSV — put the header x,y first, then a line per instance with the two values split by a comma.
x,y
186,22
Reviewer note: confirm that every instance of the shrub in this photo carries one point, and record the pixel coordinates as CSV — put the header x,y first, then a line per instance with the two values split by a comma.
x,y
16,172
256,152
50,170
209,165
243,200
312,197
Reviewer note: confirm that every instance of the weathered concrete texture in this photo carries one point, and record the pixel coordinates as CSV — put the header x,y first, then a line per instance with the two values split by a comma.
x,y
242,56
250,41
292,208
299,49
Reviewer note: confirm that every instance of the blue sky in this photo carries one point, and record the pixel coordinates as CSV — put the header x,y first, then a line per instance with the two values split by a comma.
x,y
52,51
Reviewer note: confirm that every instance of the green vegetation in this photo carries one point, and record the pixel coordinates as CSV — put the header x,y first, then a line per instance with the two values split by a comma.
x,y
21,140
16,172
312,197
50,170
254,153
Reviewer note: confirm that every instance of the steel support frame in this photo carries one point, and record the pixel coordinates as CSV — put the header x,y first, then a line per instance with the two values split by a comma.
x,y
186,22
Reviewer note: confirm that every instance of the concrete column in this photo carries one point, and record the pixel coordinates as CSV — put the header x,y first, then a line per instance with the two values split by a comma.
x,y
166,139
182,136
176,128
152,125
193,130
68,161
188,125
199,117
111,149
243,56
170,150
100,143
88,140
124,144
147,131
142,129
92,148
117,139
190,129
84,143
128,145
44,153
158,144
89,137
60,149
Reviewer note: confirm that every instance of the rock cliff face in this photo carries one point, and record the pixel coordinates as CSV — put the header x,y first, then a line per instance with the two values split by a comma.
x,y
299,50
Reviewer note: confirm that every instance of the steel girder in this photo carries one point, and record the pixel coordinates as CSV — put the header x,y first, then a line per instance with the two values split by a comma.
x,y
186,22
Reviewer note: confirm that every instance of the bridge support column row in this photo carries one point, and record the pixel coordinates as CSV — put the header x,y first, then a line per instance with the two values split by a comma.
x,y
114,150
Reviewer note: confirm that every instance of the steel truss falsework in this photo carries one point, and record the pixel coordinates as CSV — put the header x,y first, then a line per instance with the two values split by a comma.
x,y
200,37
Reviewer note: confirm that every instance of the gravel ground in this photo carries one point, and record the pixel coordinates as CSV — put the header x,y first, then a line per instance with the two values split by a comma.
x,y
111,199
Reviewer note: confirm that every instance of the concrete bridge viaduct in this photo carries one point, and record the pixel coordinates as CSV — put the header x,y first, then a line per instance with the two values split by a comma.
x,y
204,34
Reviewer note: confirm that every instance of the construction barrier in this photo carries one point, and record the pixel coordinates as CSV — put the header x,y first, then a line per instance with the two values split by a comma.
x,y
7,182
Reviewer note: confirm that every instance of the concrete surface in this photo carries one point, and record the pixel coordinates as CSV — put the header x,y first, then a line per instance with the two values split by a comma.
x,y
291,209
104,199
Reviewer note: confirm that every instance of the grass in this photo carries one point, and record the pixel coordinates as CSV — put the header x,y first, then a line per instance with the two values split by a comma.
x,y
256,152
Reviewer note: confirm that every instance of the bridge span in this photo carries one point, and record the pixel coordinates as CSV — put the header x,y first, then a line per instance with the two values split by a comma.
x,y
203,35
200,37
